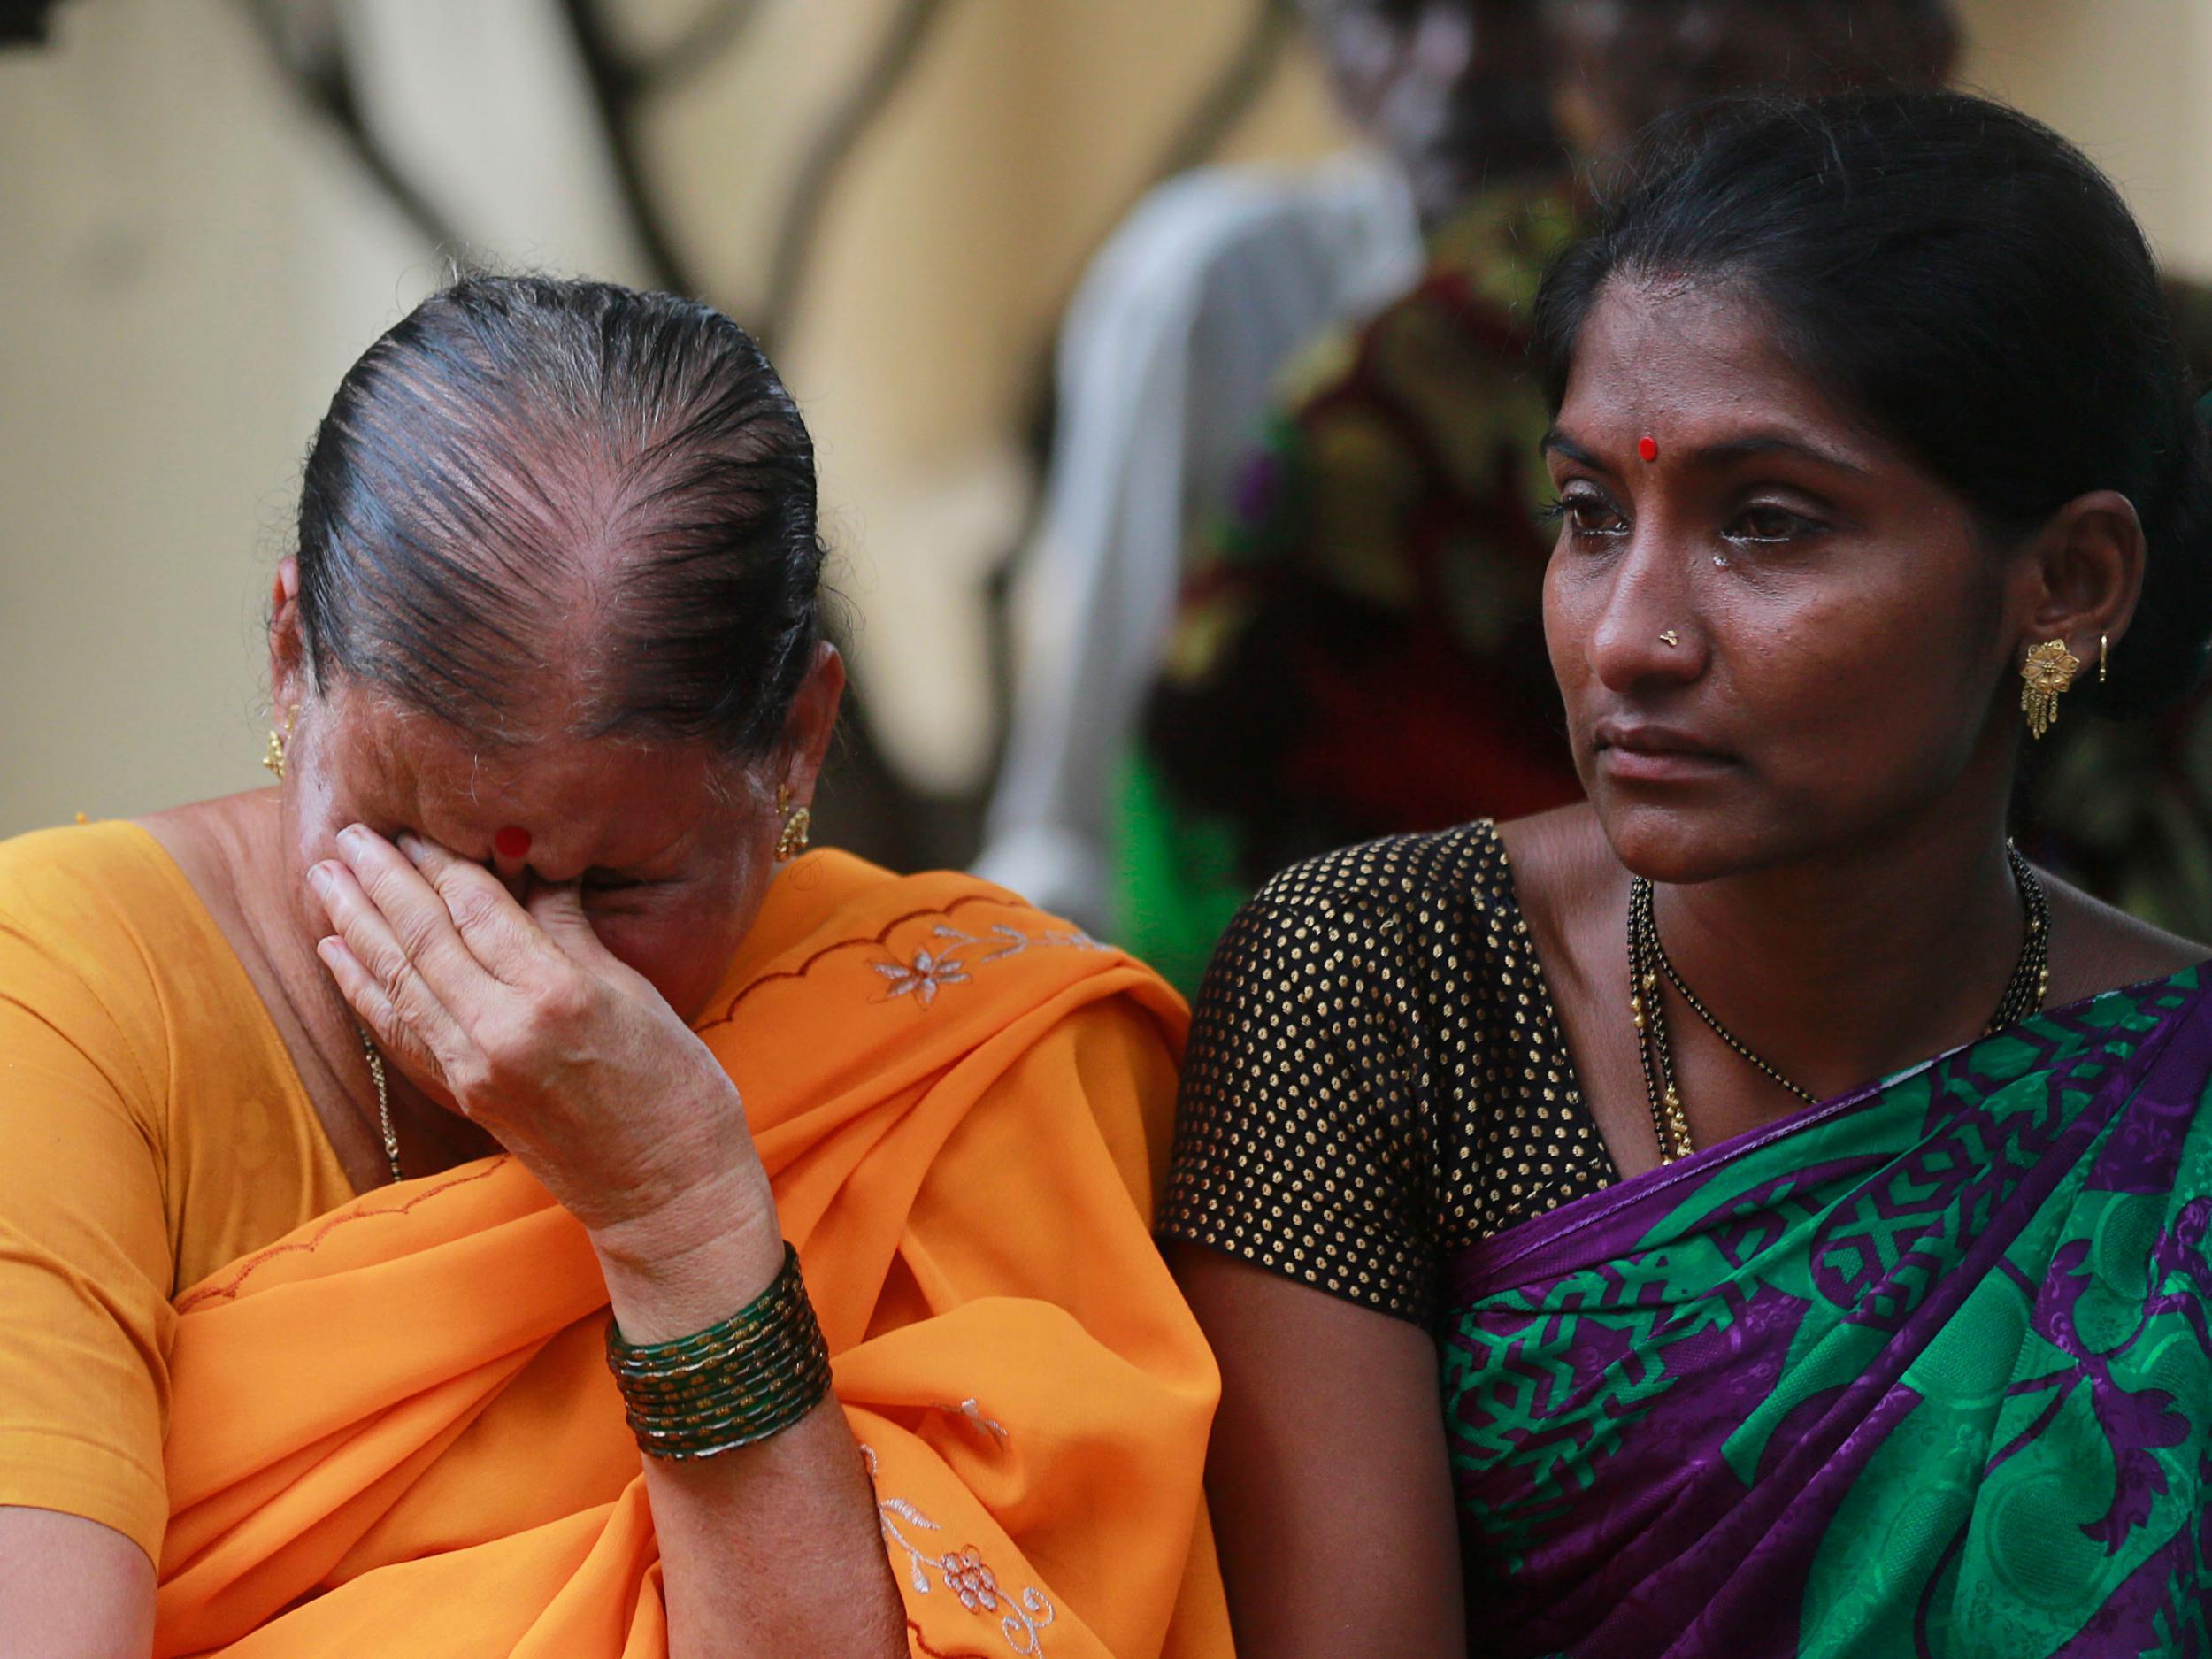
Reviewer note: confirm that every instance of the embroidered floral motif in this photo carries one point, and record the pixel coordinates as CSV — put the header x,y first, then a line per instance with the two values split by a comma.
x,y
923,976
967,1578
962,1571
949,960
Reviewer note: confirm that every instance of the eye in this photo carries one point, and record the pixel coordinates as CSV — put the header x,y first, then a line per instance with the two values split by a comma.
x,y
1587,515
1766,525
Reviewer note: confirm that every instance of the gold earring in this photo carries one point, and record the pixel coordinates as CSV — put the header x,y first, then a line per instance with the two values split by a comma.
x,y
1669,639
2049,671
274,758
798,825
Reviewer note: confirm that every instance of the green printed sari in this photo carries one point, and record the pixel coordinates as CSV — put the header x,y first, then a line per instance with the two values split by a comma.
x,y
1924,1371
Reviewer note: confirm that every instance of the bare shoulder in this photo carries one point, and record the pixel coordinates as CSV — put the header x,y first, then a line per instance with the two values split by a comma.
x,y
212,826
1565,880
2095,947
215,843
1557,856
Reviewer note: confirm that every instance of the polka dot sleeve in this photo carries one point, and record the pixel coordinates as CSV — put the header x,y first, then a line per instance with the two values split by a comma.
x,y
1377,1077
1301,1142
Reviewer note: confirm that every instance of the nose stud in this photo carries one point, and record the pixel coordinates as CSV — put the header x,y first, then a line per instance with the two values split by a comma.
x,y
1669,640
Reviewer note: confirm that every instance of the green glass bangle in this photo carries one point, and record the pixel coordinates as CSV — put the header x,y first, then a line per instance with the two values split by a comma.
x,y
734,1384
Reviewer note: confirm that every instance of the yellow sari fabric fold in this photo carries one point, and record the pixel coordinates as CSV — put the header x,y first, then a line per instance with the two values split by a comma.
x,y
394,1433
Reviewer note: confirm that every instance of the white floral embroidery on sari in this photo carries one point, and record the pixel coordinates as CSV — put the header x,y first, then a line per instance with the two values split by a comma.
x,y
964,1572
954,957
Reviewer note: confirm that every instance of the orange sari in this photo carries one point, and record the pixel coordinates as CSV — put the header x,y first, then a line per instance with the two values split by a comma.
x,y
394,1432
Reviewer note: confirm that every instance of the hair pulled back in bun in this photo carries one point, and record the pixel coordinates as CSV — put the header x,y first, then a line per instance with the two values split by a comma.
x,y
529,477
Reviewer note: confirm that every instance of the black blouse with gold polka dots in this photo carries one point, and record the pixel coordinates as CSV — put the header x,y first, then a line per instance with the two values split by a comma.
x,y
1377,1077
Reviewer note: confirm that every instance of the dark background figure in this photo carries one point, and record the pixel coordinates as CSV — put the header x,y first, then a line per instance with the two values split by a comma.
x,y
1454,91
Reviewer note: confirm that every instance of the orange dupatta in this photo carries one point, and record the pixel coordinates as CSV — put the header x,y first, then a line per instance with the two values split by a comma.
x,y
394,1432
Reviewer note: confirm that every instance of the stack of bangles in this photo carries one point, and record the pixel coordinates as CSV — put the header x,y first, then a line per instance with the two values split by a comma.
x,y
750,1377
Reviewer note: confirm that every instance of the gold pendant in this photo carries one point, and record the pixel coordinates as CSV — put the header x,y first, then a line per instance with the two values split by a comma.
x,y
1679,1142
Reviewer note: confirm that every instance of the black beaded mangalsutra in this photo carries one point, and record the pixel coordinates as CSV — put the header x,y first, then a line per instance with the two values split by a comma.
x,y
1648,964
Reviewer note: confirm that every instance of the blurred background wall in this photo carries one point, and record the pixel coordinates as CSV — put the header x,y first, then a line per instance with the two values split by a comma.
x,y
209,207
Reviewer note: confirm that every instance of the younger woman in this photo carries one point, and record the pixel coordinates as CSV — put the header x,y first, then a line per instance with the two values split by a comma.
x,y
1754,1212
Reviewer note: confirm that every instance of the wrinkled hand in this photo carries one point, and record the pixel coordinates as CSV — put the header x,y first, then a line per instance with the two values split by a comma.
x,y
525,1023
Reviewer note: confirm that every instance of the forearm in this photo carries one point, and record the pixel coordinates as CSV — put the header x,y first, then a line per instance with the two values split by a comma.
x,y
775,1549
769,1549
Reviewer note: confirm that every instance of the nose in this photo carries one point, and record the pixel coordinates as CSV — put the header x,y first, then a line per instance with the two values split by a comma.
x,y
1649,629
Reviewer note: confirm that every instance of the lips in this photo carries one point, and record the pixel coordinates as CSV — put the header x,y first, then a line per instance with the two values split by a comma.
x,y
1652,737
1650,751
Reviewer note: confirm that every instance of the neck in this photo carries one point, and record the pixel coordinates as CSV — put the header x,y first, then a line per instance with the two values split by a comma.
x,y
1847,968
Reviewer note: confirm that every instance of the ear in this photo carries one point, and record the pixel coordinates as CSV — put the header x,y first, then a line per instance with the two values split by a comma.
x,y
2085,573
813,722
288,645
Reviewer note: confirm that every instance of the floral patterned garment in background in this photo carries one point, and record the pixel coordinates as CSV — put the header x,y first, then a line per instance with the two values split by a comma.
x,y
1925,1369
1359,647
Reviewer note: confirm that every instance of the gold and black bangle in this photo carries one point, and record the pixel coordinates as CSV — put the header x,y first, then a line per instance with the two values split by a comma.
x,y
734,1384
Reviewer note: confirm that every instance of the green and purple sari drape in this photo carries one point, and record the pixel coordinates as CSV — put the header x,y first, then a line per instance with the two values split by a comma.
x,y
1924,1372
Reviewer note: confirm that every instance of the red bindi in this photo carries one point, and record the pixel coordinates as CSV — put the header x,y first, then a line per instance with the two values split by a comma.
x,y
1648,447
512,842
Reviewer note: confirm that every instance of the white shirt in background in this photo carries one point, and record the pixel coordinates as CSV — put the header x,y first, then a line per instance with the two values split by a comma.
x,y
1168,361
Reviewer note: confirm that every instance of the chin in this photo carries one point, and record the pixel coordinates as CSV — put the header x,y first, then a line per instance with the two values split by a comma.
x,y
1682,842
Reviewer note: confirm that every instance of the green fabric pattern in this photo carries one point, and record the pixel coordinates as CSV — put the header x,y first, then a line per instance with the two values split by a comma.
x,y
1925,1372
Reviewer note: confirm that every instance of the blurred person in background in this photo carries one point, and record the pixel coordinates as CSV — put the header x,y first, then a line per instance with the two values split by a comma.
x,y
336,1117
1358,648
1170,350
1754,1211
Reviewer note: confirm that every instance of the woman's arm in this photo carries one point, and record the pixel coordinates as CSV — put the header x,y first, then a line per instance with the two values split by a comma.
x,y
772,1549
1301,1225
86,1258
1331,1494
578,1067
72,1588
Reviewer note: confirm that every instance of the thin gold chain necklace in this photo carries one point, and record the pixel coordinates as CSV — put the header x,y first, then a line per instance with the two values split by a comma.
x,y
1648,964
383,1104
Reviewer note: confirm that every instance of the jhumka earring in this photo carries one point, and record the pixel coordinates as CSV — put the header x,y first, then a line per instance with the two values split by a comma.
x,y
798,825
274,758
2048,671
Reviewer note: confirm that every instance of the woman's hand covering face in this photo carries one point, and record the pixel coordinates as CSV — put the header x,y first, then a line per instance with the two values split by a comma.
x,y
515,1014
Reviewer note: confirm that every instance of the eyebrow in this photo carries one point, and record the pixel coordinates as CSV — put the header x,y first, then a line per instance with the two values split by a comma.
x,y
1749,447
